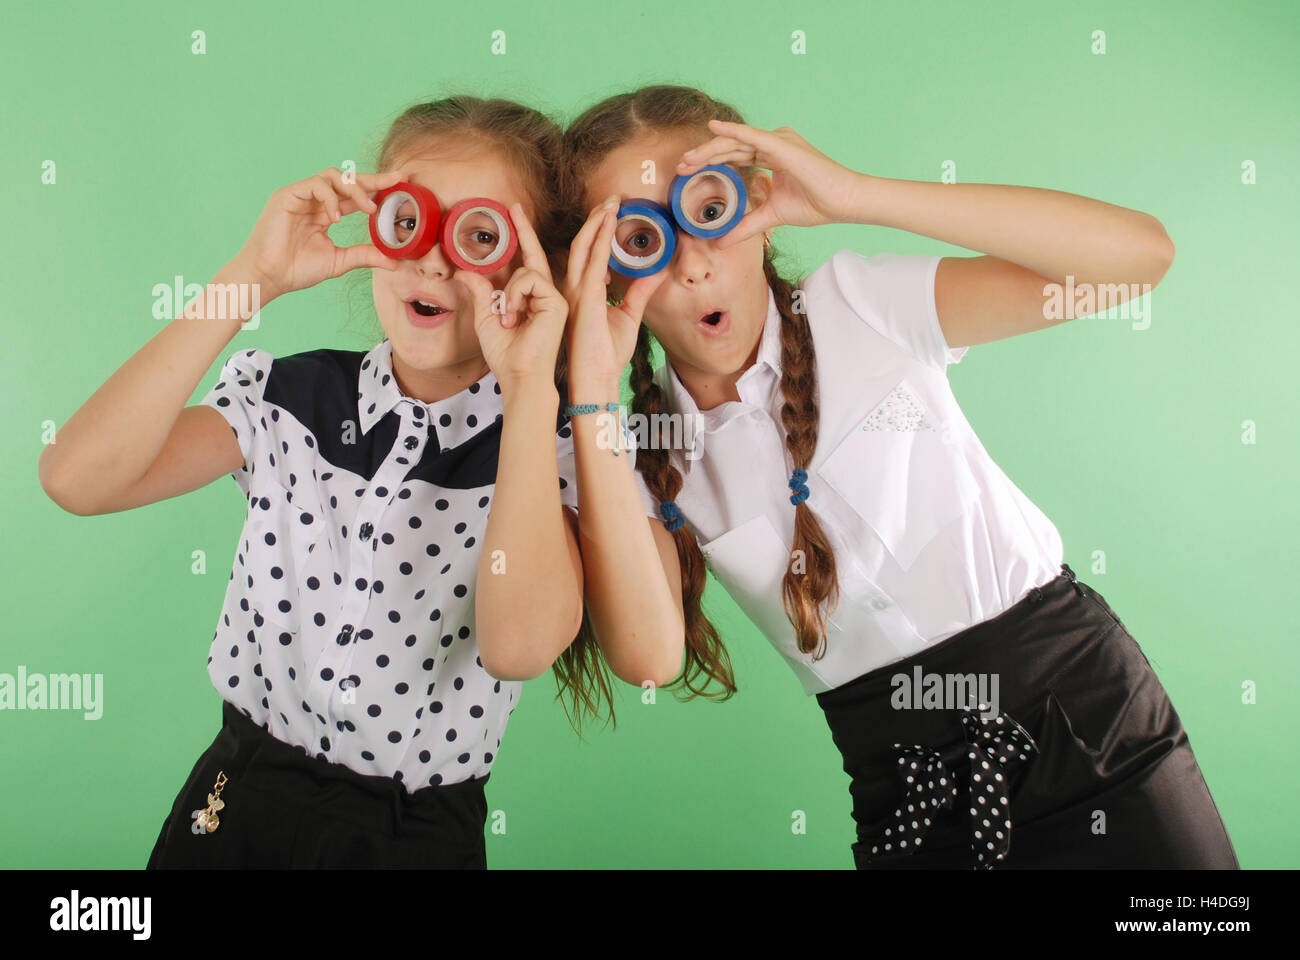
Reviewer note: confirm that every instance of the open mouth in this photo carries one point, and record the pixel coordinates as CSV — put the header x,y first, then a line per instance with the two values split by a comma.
x,y
715,323
426,309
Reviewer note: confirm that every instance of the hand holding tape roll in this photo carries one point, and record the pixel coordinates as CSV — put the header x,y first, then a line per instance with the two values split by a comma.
x,y
290,248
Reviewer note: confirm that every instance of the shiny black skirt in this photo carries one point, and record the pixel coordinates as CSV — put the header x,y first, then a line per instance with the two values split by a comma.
x,y
1082,761
280,808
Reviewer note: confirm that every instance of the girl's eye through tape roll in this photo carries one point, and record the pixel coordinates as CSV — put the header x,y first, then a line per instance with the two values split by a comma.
x,y
706,204
478,235
644,239
406,221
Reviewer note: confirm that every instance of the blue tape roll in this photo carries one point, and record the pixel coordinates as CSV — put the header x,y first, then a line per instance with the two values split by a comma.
x,y
724,226
659,215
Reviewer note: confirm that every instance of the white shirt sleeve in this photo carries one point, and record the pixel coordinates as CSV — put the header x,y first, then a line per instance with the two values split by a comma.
x,y
568,468
894,294
237,396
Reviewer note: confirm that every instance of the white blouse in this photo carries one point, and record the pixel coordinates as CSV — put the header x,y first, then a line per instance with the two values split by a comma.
x,y
348,624
930,536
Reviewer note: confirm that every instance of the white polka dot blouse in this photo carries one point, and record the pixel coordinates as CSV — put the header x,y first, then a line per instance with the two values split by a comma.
x,y
348,624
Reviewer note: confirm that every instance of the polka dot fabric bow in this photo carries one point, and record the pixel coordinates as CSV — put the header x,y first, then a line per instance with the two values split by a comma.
x,y
992,746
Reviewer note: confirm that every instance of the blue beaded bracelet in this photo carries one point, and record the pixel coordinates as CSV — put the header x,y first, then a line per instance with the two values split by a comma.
x,y
574,409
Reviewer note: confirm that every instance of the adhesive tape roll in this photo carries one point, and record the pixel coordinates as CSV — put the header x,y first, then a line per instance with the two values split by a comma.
x,y
644,239
708,202
405,224
478,235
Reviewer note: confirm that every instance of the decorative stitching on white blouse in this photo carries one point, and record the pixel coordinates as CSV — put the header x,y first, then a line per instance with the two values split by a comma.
x,y
900,411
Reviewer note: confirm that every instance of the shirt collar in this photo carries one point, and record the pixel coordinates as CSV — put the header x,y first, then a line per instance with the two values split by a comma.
x,y
755,385
455,419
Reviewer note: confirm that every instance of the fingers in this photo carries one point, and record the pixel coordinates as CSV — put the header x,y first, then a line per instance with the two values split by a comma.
x,y
597,265
580,249
534,255
374,182
322,191
337,197
769,141
515,295
360,255
757,221
480,292
717,150
529,289
639,292
355,192
743,157
766,148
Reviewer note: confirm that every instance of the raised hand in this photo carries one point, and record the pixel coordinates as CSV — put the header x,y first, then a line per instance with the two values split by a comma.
x,y
290,247
519,328
808,187
601,337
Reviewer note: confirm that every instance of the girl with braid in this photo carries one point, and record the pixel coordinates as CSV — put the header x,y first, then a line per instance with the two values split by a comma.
x,y
991,708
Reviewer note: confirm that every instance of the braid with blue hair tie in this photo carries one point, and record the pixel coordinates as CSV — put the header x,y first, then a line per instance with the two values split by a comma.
x,y
672,516
799,487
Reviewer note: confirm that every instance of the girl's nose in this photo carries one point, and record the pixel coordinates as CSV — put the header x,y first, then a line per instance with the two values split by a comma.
x,y
693,260
435,264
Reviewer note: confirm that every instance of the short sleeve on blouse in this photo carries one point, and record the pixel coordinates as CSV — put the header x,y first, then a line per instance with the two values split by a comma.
x,y
894,294
568,468
237,396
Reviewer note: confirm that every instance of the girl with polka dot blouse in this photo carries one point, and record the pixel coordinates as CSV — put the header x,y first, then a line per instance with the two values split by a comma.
x,y
991,708
410,553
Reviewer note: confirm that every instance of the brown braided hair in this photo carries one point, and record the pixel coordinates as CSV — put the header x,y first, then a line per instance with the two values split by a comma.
x,y
810,593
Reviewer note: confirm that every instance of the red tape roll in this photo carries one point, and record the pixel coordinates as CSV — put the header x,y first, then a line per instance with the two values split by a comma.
x,y
459,245
384,232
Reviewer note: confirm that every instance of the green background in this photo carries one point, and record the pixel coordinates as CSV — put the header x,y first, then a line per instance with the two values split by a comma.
x,y
1129,440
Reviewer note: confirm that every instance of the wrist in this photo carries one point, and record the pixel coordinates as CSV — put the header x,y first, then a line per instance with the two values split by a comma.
x,y
606,423
863,205
241,269
593,390
232,296
534,391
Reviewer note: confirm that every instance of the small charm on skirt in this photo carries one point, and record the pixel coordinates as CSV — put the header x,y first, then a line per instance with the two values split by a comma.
x,y
206,819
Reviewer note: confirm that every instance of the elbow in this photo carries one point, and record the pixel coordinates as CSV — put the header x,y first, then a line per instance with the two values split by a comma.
x,y
666,678
658,672
659,677
1161,256
672,668
648,677
673,648
502,666
55,487
504,658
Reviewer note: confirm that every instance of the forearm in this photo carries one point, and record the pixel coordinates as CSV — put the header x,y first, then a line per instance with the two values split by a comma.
x,y
117,434
1052,233
635,617
529,600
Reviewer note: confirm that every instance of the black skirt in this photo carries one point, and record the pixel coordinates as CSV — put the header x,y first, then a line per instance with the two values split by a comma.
x,y
1084,748
282,808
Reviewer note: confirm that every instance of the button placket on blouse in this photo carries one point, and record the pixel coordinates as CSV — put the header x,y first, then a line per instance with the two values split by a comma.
x,y
407,449
757,389
853,579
